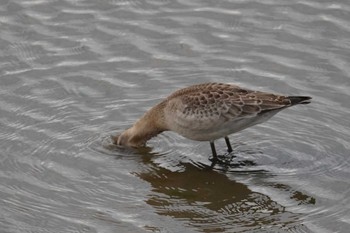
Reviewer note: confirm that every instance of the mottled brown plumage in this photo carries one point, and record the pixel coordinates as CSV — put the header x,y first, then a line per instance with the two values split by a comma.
x,y
206,112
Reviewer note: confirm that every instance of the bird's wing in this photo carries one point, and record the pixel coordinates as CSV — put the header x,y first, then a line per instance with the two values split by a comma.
x,y
208,105
248,103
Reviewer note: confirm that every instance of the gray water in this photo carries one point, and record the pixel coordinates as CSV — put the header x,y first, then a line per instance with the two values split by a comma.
x,y
73,73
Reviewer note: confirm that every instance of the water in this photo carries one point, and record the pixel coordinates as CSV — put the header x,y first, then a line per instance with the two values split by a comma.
x,y
72,73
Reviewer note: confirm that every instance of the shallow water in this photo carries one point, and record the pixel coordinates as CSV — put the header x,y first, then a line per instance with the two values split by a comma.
x,y
72,73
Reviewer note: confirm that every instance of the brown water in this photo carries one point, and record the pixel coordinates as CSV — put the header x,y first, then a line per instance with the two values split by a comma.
x,y
72,73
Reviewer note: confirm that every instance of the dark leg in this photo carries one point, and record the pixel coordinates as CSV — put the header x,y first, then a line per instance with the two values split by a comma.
x,y
229,148
215,156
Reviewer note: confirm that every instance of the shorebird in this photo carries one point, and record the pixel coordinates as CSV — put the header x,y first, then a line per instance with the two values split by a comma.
x,y
207,112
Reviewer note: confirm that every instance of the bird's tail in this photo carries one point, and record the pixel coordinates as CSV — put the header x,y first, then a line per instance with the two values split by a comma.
x,y
299,99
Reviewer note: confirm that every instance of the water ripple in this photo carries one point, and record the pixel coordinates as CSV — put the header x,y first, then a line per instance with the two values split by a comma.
x,y
73,73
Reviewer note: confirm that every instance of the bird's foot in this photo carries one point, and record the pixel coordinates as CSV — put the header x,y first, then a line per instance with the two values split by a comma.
x,y
222,160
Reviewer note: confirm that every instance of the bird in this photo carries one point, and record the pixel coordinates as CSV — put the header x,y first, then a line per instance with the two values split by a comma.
x,y
207,112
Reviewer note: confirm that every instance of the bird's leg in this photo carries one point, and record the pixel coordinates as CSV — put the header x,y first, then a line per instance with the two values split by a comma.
x,y
229,147
215,156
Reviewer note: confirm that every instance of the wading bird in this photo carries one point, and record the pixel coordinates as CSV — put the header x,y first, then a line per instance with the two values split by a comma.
x,y
207,112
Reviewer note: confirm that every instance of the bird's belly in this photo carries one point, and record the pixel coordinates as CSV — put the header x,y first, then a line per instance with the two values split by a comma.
x,y
210,132
214,132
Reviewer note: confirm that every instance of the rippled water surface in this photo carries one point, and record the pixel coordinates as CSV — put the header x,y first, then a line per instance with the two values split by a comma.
x,y
73,73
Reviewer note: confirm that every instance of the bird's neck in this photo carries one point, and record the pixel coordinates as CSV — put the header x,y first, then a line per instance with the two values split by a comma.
x,y
148,126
